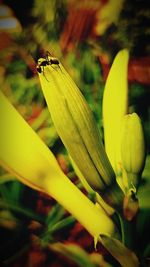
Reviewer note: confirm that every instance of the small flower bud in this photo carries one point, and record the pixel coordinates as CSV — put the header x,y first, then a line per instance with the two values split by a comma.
x,y
115,99
132,148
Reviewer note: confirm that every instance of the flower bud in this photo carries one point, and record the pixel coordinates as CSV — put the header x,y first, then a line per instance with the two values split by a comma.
x,y
77,128
114,106
132,148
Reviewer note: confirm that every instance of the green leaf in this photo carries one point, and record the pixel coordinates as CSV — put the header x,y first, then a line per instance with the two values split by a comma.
x,y
16,191
40,119
47,237
21,210
122,254
144,196
6,178
55,214
62,224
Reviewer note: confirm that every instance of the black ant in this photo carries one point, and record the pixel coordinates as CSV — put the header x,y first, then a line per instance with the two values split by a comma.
x,y
49,60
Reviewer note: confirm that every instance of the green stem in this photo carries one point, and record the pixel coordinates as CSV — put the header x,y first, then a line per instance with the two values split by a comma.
x,y
129,232
122,228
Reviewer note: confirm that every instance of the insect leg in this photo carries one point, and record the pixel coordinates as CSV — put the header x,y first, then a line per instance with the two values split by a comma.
x,y
44,73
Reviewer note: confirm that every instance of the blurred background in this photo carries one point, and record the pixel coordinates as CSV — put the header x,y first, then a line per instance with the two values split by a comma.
x,y
85,36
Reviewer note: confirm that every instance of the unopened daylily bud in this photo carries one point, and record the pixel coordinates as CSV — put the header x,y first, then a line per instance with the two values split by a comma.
x,y
115,99
24,154
132,148
77,128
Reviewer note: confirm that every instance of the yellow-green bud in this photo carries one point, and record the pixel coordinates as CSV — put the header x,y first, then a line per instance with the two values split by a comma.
x,y
132,148
77,128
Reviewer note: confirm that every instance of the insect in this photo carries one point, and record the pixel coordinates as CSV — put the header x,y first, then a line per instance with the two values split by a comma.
x,y
41,64
49,60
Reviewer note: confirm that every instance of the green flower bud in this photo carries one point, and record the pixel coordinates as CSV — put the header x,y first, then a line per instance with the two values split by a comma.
x,y
77,128
132,148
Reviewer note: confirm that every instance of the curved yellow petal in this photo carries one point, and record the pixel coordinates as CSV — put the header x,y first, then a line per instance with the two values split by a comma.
x,y
24,154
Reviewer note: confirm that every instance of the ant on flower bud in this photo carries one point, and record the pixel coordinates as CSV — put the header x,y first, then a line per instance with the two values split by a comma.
x,y
49,60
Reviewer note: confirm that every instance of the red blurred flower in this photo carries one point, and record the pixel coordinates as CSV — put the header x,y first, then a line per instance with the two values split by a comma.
x,y
138,69
79,23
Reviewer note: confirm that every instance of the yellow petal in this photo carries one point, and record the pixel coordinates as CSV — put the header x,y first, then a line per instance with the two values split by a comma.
x,y
25,155
22,151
